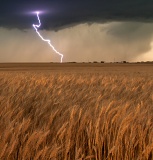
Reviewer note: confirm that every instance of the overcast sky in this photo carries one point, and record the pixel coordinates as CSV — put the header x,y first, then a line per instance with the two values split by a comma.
x,y
87,30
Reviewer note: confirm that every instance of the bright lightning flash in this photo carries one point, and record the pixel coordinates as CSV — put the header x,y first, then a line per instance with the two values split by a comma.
x,y
46,40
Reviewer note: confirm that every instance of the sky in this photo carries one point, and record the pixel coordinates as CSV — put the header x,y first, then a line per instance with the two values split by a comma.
x,y
83,31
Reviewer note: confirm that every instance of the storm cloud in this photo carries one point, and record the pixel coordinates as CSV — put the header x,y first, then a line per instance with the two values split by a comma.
x,y
88,30
65,13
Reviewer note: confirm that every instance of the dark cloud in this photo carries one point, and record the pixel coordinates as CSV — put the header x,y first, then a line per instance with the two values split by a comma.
x,y
125,36
64,13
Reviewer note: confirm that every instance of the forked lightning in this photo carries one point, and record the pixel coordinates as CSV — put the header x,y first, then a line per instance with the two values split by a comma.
x,y
46,40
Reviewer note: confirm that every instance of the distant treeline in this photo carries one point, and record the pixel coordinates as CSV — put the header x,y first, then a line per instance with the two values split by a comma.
x,y
114,62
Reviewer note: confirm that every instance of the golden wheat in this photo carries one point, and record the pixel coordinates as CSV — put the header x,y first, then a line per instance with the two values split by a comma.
x,y
76,116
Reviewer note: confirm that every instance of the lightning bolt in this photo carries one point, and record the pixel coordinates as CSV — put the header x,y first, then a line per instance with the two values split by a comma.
x,y
46,40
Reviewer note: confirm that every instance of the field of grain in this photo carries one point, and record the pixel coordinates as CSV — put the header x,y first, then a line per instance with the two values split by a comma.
x,y
76,112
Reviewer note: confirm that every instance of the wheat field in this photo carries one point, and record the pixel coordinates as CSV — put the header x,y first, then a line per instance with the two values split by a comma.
x,y
77,114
